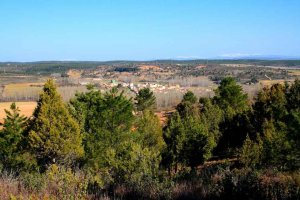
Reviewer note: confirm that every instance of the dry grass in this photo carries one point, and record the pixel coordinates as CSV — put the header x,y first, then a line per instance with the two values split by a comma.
x,y
294,72
19,86
149,67
31,91
72,73
26,108
19,90
272,82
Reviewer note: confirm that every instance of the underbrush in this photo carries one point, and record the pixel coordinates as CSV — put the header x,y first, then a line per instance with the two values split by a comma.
x,y
218,182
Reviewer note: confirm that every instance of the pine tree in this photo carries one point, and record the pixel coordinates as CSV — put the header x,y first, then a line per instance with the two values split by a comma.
x,y
230,97
108,122
174,137
188,105
198,143
116,112
145,99
293,96
234,126
251,153
211,115
54,136
11,137
149,130
83,108
276,117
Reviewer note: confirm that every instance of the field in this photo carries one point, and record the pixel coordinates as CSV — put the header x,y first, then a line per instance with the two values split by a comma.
x,y
272,82
26,108
295,72
30,91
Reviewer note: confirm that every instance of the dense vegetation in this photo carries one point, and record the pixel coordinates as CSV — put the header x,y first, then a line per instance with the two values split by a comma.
x,y
104,145
48,67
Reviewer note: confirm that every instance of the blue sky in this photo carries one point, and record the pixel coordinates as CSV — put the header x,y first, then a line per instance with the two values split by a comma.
x,y
33,30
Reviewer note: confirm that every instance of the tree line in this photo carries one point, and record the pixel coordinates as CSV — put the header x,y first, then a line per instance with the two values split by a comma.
x,y
117,140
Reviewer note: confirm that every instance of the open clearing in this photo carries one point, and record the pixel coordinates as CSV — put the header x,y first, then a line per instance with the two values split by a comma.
x,y
26,108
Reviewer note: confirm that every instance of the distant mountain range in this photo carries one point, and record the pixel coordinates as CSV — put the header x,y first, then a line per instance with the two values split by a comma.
x,y
257,57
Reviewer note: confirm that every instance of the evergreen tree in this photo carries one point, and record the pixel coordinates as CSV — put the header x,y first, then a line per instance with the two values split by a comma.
x,y
211,115
11,139
149,130
276,118
54,136
251,153
83,108
108,128
188,142
174,137
270,104
293,122
145,99
293,96
230,97
235,124
198,143
189,96
188,105
115,112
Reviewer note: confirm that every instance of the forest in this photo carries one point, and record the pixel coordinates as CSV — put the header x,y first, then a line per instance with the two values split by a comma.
x,y
48,67
105,145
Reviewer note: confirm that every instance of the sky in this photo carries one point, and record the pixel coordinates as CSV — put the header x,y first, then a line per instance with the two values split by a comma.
x,y
99,30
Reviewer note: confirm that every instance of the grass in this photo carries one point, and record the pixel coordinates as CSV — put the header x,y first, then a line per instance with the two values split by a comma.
x,y
294,72
21,91
272,82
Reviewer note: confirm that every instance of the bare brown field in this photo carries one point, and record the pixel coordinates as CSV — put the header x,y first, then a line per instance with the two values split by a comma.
x,y
149,67
26,108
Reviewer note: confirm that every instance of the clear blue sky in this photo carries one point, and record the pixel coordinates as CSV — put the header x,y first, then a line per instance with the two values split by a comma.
x,y
34,30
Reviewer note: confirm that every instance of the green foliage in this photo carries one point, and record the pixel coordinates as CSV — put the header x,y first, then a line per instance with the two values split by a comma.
x,y
270,104
276,118
114,150
230,97
11,134
133,163
189,97
54,136
83,109
251,153
293,96
235,124
188,140
124,150
212,116
111,118
233,133
174,137
145,99
188,106
198,143
66,183
12,152
115,112
149,130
